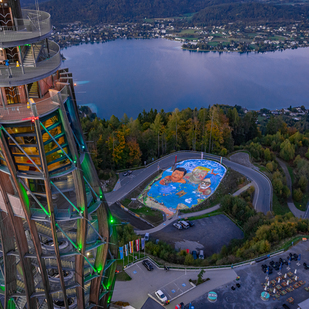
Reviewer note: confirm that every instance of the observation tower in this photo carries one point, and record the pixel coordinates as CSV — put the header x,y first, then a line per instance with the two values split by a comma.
x,y
56,230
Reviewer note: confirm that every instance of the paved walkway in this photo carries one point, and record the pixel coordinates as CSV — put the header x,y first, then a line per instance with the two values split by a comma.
x,y
193,214
296,212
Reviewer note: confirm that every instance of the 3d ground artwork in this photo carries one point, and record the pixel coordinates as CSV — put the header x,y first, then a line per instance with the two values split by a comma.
x,y
185,185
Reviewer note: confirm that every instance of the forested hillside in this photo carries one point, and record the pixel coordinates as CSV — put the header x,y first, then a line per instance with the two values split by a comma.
x,y
207,11
250,12
122,10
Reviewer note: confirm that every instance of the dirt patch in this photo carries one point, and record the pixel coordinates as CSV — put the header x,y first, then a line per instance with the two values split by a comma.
x,y
108,179
242,158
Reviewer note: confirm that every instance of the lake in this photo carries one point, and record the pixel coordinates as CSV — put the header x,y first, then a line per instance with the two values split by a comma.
x,y
127,76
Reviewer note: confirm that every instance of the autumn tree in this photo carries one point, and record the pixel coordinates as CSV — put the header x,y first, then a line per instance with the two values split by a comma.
x,y
156,126
287,151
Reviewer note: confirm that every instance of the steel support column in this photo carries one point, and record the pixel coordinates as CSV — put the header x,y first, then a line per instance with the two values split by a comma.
x,y
81,201
49,198
17,225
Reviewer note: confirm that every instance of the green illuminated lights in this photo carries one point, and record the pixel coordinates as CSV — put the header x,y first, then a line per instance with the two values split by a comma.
x,y
111,220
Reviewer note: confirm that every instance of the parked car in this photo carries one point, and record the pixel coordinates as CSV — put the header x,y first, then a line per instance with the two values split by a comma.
x,y
125,174
184,224
201,255
148,265
161,296
129,172
194,254
177,226
146,236
191,223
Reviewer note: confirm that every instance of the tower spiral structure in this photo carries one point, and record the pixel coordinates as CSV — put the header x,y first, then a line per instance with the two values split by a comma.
x,y
56,230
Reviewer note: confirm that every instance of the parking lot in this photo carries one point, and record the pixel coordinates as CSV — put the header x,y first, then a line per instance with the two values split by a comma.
x,y
251,282
209,233
173,283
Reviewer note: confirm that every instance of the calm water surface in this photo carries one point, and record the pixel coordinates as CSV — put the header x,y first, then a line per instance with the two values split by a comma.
x,y
127,76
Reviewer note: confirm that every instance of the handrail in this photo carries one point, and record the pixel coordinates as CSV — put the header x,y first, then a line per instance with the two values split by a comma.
x,y
32,24
17,75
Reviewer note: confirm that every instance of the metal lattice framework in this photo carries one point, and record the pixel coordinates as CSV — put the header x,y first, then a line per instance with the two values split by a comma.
x,y
56,230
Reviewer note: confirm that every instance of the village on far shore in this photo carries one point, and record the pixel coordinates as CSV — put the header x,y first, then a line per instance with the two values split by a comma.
x,y
231,37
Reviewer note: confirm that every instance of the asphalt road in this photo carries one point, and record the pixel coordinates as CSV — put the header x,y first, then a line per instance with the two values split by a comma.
x,y
263,188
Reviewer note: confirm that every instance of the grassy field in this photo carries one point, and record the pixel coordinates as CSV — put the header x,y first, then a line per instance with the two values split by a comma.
x,y
149,214
278,207
187,31
123,276
290,169
302,205
213,213
277,38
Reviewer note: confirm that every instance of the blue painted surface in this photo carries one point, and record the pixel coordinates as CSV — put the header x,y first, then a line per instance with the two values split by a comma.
x,y
187,192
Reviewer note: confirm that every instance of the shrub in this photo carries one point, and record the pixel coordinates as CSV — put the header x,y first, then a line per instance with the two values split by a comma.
x,y
287,152
269,166
189,260
303,183
297,195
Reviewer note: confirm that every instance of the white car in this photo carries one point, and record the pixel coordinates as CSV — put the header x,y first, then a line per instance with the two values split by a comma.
x,y
177,226
161,296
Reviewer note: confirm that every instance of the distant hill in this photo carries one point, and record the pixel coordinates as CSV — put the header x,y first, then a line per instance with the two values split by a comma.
x,y
250,12
122,10
208,11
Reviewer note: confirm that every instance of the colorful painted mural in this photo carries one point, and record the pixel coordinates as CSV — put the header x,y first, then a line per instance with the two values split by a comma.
x,y
184,185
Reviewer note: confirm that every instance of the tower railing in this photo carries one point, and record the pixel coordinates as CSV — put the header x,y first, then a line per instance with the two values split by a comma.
x,y
33,24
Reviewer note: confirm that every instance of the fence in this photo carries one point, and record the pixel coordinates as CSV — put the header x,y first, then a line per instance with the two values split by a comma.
x,y
289,244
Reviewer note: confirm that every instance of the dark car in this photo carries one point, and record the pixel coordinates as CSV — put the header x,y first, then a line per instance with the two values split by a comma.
x,y
148,265
191,223
125,174
285,306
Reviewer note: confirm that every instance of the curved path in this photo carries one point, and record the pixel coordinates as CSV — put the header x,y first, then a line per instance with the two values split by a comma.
x,y
296,212
262,197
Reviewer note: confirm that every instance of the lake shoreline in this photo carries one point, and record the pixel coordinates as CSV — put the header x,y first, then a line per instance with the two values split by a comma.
x,y
127,76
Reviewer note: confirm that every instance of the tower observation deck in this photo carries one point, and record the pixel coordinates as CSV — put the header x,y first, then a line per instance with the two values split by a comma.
x,y
56,230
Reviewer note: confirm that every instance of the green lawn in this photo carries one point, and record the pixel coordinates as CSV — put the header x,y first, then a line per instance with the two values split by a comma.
x,y
126,202
148,214
302,205
213,213
213,43
290,169
278,207
123,276
217,34
276,38
187,31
